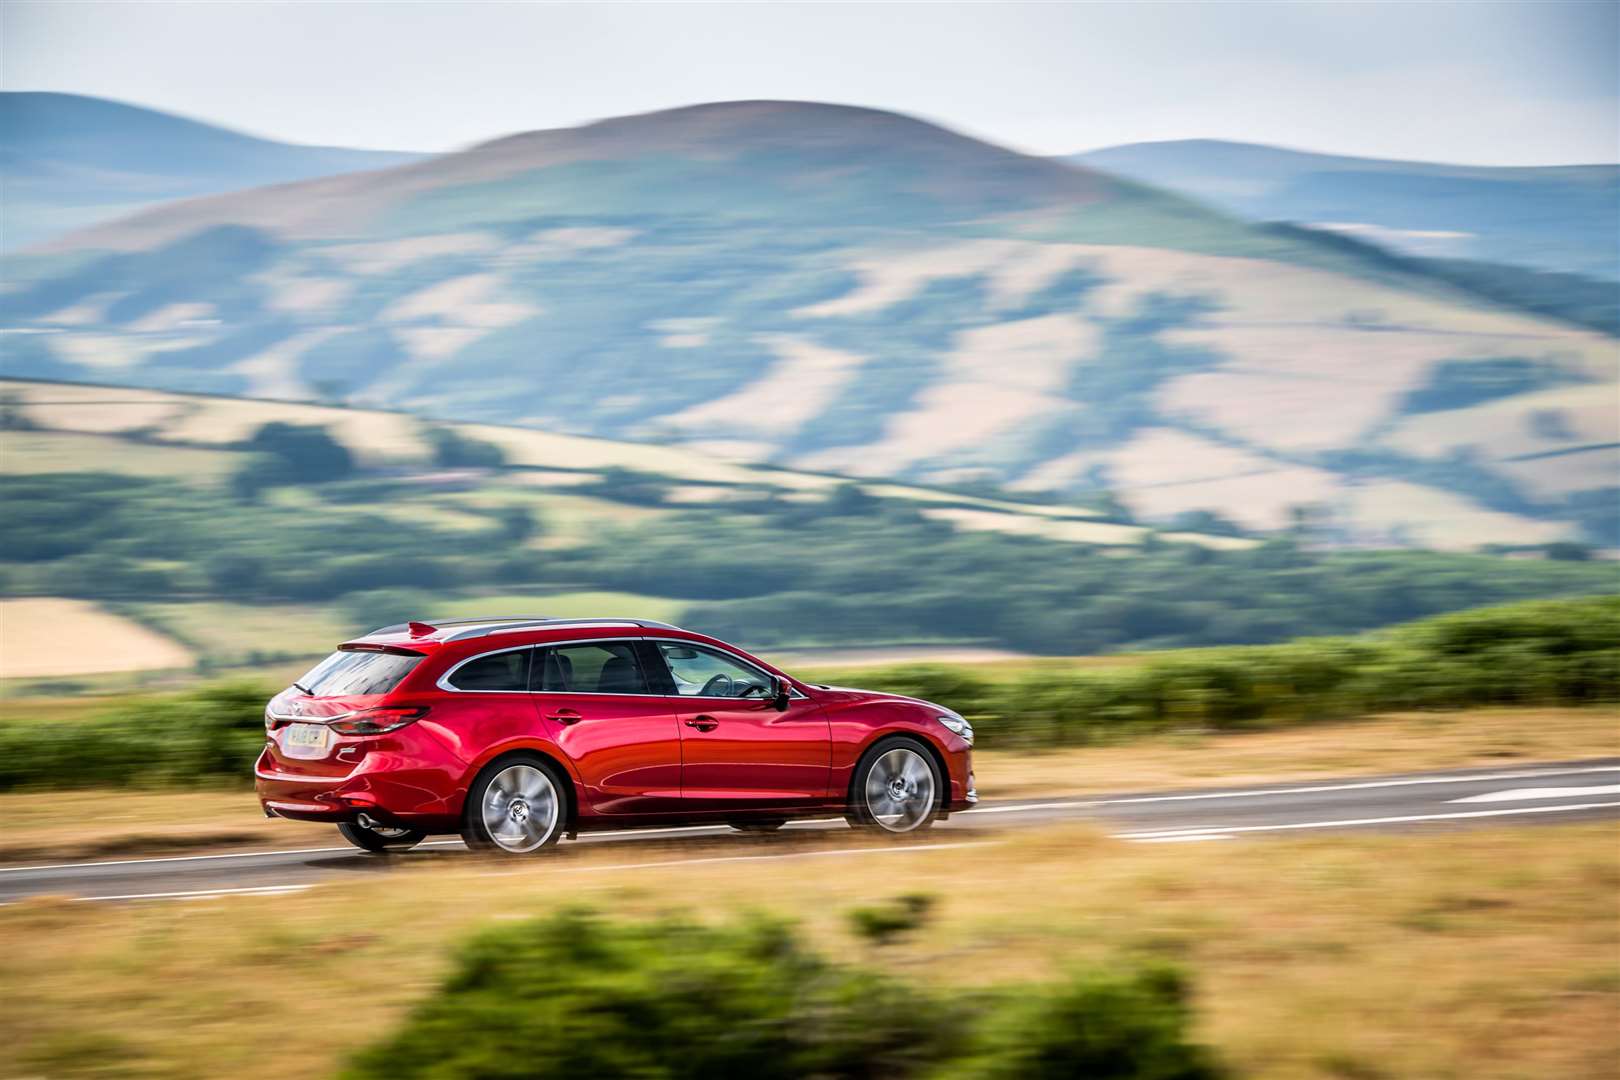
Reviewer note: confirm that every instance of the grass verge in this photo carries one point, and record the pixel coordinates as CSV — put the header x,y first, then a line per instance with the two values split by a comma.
x,y
1483,954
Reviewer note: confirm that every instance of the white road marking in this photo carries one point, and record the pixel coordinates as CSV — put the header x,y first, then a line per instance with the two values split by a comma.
x,y
1477,778
1191,838
1021,808
202,858
1528,793
1204,830
198,894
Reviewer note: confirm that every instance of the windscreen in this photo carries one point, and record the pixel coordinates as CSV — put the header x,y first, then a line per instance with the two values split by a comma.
x,y
346,673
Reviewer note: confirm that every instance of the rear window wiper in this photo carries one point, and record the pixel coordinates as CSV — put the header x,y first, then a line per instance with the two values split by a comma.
x,y
305,689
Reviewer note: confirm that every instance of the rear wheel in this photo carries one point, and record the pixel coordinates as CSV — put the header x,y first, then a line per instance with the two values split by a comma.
x,y
896,789
380,837
515,806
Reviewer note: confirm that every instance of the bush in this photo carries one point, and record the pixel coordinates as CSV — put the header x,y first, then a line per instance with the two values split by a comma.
x,y
210,735
1555,652
573,995
1101,1026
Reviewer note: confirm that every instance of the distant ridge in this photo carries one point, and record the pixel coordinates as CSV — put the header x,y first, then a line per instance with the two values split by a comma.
x,y
69,160
1562,218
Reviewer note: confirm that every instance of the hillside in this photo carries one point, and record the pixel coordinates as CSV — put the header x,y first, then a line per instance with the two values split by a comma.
x,y
1562,218
71,161
165,531
851,291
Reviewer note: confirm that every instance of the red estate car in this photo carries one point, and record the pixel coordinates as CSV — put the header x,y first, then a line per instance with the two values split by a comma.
x,y
515,731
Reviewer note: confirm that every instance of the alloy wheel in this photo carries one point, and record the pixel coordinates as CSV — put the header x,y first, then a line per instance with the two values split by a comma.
x,y
900,790
520,808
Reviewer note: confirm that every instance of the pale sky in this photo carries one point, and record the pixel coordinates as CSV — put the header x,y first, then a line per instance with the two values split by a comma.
x,y
1506,83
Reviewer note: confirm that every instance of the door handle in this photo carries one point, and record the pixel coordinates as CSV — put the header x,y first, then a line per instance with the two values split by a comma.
x,y
564,716
703,723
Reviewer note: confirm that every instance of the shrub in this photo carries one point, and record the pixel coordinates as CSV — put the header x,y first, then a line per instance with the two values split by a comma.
x,y
882,923
573,995
1099,1026
206,736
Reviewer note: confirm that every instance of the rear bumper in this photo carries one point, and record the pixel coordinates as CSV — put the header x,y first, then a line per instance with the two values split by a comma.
x,y
381,786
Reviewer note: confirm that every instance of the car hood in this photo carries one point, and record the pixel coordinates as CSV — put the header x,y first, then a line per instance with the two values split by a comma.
x,y
850,695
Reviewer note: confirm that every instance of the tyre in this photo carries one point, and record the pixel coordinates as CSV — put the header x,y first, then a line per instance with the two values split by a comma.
x,y
897,788
380,837
765,825
516,806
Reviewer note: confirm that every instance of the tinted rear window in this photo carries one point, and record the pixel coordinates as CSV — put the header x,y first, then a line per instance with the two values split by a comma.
x,y
497,671
347,672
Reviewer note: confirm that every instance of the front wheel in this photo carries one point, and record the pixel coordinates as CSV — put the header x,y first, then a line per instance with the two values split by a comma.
x,y
896,788
515,806
380,837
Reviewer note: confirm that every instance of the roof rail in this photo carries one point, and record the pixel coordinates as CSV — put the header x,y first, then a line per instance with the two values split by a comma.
x,y
538,624
396,628
471,628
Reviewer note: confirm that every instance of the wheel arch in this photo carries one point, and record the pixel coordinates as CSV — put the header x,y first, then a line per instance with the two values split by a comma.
x,y
570,785
942,796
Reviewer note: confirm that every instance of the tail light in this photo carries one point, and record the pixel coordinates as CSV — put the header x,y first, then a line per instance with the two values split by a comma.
x,y
379,721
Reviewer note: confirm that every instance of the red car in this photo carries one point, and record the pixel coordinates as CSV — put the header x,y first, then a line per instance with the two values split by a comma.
x,y
513,732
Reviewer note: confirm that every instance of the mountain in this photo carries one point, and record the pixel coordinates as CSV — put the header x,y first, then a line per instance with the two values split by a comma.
x,y
1561,218
69,161
848,290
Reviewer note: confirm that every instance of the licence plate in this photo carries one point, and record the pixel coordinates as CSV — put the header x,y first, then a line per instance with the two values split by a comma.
x,y
305,741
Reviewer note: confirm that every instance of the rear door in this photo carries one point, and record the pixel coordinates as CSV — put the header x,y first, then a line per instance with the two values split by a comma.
x,y
738,751
596,703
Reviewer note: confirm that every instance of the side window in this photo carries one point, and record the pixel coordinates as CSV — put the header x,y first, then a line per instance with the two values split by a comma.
x,y
497,671
702,672
608,667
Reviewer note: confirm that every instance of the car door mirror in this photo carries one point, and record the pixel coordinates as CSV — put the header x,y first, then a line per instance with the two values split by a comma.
x,y
779,693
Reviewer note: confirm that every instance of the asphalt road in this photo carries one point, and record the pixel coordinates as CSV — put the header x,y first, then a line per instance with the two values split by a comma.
x,y
1430,802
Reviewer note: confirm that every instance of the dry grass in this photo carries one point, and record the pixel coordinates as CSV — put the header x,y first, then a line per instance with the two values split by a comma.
x,y
1482,954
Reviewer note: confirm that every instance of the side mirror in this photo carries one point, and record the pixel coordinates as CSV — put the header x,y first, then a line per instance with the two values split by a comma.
x,y
779,693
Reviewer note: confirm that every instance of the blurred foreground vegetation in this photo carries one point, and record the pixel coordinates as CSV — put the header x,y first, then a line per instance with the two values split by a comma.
x,y
1539,653
572,995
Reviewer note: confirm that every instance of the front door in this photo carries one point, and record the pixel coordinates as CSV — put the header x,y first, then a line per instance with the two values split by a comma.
x,y
595,701
738,752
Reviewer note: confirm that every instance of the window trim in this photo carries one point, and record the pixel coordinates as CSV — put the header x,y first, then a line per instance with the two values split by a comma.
x,y
442,683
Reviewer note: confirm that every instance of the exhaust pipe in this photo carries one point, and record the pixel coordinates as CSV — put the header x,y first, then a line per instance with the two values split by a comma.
x,y
366,821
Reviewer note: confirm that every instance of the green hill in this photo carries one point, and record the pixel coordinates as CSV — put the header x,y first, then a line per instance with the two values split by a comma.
x,y
846,290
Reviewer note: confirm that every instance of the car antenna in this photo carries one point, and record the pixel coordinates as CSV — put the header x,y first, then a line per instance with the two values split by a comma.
x,y
421,629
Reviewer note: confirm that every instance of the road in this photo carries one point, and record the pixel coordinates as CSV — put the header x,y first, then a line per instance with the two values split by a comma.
x,y
1433,802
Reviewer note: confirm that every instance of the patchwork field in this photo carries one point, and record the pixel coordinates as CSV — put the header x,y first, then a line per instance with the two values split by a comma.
x,y
46,637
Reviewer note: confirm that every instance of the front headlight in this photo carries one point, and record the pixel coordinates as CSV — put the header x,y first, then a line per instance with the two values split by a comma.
x,y
958,726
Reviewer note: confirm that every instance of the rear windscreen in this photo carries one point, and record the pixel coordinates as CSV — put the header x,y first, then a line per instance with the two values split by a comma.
x,y
346,673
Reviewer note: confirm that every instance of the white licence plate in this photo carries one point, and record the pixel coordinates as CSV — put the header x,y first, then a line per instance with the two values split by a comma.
x,y
305,741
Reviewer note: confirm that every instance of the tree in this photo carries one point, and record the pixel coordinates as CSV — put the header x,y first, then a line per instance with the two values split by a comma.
x,y
306,454
453,450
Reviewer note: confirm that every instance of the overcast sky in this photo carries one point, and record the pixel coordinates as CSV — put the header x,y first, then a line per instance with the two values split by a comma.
x,y
1489,83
